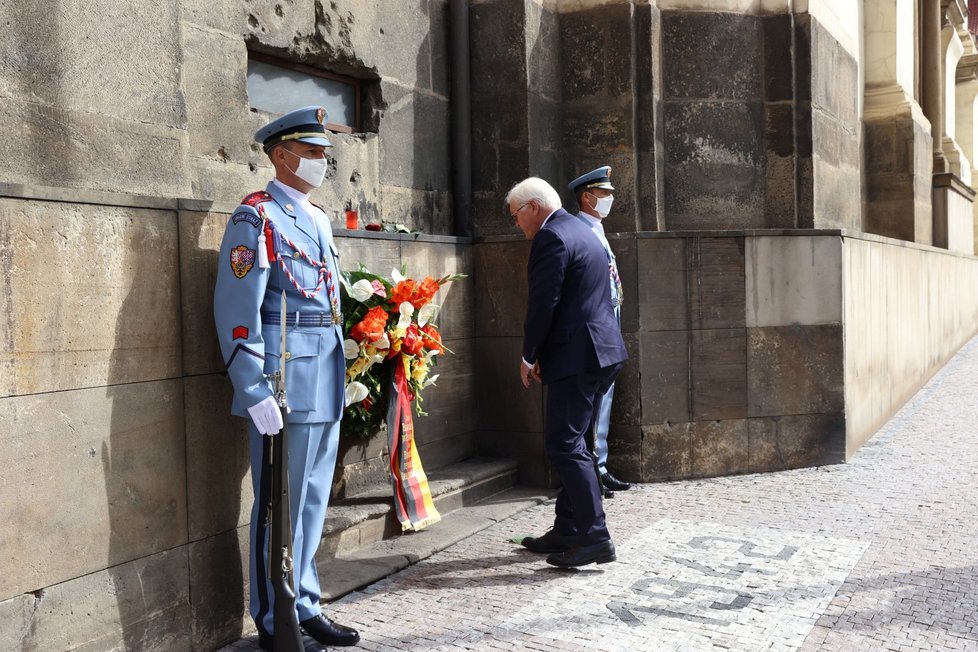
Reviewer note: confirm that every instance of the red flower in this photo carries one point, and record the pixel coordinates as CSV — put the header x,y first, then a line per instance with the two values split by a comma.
x,y
425,292
412,344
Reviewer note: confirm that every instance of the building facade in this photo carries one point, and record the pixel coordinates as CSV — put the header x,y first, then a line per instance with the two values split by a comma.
x,y
794,224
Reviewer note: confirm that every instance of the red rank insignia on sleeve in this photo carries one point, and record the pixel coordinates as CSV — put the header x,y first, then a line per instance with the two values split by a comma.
x,y
239,333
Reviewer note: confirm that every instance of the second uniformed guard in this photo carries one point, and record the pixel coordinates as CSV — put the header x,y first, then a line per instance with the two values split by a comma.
x,y
278,240
594,195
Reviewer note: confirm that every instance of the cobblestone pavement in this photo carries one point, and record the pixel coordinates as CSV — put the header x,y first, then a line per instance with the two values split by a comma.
x,y
876,554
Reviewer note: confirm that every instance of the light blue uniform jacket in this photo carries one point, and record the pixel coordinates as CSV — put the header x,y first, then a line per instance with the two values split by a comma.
x,y
244,292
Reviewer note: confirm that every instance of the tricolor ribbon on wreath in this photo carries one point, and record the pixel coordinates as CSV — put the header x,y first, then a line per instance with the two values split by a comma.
x,y
413,504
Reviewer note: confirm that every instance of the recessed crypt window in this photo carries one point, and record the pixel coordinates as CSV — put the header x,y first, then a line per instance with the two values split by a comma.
x,y
279,86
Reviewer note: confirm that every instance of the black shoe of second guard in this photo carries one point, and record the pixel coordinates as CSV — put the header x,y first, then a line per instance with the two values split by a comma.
x,y
611,482
326,632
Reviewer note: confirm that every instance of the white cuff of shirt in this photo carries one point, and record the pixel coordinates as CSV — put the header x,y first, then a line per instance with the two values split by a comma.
x,y
528,365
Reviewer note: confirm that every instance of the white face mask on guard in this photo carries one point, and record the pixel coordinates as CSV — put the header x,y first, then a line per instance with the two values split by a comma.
x,y
310,170
602,205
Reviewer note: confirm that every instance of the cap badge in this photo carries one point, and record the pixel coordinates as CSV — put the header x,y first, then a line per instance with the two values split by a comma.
x,y
321,115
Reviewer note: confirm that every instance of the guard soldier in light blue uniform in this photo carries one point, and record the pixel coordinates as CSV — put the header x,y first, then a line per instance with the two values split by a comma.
x,y
278,240
593,191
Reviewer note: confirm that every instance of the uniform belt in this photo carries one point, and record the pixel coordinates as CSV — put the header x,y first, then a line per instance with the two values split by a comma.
x,y
303,318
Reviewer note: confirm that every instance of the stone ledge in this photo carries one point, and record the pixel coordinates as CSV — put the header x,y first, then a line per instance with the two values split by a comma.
x,y
348,572
368,516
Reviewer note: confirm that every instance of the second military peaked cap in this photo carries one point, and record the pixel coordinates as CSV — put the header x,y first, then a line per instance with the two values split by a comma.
x,y
600,178
306,125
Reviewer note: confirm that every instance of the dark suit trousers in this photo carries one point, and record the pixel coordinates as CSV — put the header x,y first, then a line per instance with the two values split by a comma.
x,y
571,404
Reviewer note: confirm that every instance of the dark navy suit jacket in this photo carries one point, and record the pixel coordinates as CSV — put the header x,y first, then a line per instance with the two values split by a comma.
x,y
570,323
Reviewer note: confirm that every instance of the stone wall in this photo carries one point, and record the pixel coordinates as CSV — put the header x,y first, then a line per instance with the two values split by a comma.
x,y
126,485
907,310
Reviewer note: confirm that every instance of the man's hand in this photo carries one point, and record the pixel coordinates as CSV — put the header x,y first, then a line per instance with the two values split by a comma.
x,y
267,416
526,373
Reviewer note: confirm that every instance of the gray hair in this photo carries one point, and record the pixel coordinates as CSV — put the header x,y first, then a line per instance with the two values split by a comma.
x,y
530,189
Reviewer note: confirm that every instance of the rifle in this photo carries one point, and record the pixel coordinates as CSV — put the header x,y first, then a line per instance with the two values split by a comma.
x,y
287,637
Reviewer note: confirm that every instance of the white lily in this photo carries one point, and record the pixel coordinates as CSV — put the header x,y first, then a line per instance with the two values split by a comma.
x,y
430,381
355,392
362,290
396,275
350,349
427,313
383,343
406,310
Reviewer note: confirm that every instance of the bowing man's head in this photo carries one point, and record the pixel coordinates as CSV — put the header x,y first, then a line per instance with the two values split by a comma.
x,y
529,203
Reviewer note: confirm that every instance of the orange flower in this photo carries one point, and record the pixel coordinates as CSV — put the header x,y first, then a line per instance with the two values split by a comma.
x,y
425,292
403,291
433,339
372,326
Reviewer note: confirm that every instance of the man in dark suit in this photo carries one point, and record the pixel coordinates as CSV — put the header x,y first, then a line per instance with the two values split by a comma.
x,y
573,345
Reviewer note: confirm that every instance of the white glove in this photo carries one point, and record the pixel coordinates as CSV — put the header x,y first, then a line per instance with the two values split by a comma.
x,y
267,416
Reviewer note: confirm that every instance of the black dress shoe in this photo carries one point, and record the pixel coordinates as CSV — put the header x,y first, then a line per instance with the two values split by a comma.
x,y
327,632
548,543
608,493
611,482
596,553
267,642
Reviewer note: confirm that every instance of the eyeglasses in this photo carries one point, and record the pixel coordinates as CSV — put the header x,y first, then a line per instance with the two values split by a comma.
x,y
515,214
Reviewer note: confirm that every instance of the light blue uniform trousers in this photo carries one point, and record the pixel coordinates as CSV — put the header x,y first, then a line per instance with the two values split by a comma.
x,y
312,454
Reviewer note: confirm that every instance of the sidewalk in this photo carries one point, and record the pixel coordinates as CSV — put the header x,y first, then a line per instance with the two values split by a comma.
x,y
877,554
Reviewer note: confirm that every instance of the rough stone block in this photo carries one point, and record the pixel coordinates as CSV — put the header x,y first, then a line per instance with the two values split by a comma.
x,y
415,137
503,402
456,317
716,282
792,442
665,377
662,293
215,81
200,242
625,452
714,176
666,451
524,447
596,51
68,322
278,25
599,124
219,588
140,605
451,401
379,253
543,56
696,55
718,374
719,448
219,487
500,288
778,68
627,401
400,44
834,75
794,280
498,43
92,477
626,258
794,370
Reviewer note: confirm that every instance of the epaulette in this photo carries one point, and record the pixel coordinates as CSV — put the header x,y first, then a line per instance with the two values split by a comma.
x,y
256,198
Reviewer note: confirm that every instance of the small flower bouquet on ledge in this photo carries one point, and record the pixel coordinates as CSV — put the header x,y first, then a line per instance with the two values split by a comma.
x,y
391,347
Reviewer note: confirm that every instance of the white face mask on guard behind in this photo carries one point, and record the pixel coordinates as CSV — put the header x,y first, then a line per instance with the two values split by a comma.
x,y
310,170
602,205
